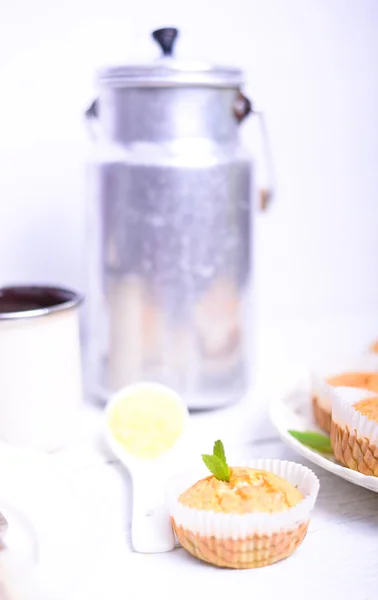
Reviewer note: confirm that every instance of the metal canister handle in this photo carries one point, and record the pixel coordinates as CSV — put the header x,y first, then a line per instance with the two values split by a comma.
x,y
242,108
266,194
91,117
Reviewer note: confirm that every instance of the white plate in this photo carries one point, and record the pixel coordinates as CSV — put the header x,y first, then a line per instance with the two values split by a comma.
x,y
293,411
49,527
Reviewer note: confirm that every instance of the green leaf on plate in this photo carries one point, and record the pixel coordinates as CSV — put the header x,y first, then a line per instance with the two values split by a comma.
x,y
314,440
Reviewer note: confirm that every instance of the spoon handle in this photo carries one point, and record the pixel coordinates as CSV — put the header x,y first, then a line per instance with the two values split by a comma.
x,y
151,530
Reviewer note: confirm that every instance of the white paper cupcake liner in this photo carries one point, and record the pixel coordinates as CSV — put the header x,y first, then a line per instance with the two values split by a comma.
x,y
346,416
238,527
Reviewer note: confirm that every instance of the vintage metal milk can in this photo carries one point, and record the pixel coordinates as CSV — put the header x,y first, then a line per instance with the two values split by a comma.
x,y
170,231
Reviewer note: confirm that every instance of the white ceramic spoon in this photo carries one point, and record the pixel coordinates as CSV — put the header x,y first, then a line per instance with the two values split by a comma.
x,y
151,528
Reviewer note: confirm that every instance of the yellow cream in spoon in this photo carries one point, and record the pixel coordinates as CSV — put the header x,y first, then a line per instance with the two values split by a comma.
x,y
147,421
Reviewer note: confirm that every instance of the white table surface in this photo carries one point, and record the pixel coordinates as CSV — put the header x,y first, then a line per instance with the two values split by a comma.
x,y
337,560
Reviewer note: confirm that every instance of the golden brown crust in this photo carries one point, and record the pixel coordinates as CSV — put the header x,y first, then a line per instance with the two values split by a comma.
x,y
322,416
248,490
249,553
355,453
364,380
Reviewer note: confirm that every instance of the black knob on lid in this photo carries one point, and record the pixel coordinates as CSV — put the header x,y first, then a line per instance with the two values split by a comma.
x,y
166,37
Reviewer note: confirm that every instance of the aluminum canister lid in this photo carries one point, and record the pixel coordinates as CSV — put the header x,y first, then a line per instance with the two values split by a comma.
x,y
168,71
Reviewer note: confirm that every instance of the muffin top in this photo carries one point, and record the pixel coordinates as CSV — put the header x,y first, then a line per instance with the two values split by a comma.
x,y
368,407
363,380
248,490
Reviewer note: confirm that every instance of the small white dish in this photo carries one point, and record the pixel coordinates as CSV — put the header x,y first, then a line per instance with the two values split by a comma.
x,y
293,411
151,527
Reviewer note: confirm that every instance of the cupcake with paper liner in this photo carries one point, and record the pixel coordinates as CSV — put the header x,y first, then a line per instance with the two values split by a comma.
x,y
361,372
243,517
354,430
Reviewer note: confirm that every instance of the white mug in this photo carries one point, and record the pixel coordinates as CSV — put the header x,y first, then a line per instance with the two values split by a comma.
x,y
40,366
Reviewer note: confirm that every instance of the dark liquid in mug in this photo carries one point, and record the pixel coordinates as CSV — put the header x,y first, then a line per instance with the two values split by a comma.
x,y
25,298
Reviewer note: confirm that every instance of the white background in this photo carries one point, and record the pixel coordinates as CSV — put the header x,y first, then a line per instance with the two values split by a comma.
x,y
311,64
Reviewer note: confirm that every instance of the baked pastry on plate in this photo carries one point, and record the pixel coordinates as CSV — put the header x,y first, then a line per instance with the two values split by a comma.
x,y
354,430
361,373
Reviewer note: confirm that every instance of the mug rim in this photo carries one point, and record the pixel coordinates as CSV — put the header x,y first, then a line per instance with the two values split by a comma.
x,y
73,300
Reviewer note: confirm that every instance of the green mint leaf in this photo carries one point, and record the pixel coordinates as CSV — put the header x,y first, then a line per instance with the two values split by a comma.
x,y
219,451
217,467
216,462
313,440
